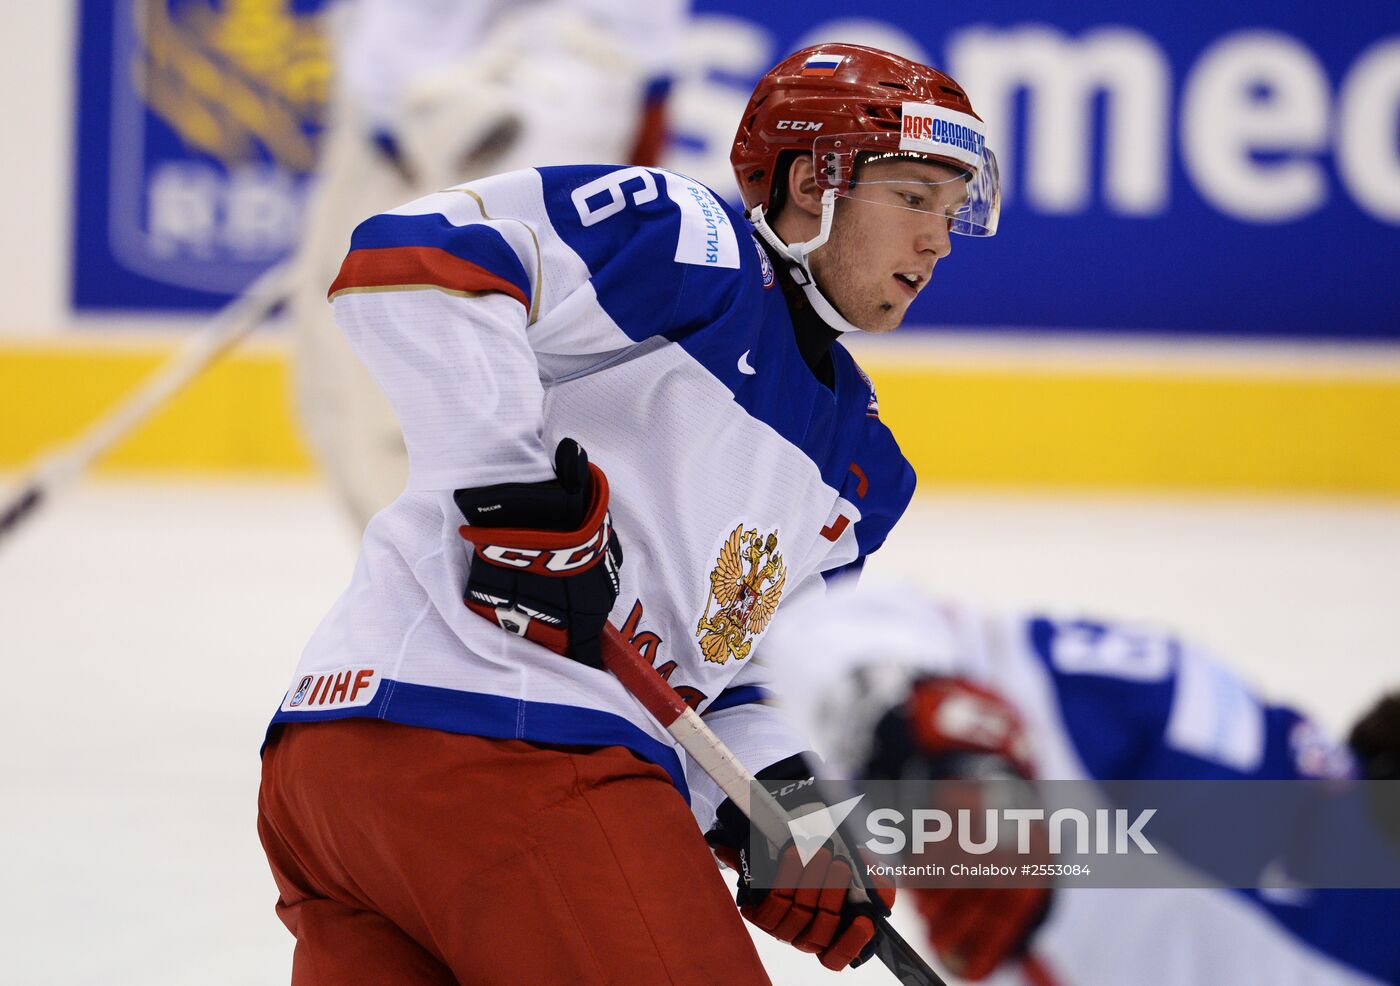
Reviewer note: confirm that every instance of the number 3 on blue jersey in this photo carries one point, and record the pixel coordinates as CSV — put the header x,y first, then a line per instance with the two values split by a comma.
x,y
1132,653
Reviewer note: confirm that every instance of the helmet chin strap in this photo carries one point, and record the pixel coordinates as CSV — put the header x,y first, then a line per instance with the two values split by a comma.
x,y
798,254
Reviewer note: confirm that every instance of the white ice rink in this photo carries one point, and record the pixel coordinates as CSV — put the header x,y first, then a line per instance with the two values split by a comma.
x,y
148,630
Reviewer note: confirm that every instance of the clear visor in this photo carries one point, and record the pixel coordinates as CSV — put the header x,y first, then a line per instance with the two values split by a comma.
x,y
968,197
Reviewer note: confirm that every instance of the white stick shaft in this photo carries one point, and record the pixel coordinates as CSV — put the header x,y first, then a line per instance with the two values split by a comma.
x,y
714,758
701,744
240,317
61,466
734,779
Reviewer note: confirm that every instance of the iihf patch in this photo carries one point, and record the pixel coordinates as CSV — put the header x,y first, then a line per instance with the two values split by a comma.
x,y
343,687
872,409
764,264
301,691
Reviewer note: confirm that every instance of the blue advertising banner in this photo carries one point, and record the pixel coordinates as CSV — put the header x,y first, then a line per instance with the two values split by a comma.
x,y
196,127
1231,172
1226,169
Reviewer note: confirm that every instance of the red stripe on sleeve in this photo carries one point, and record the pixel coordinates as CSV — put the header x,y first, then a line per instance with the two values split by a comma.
x,y
393,266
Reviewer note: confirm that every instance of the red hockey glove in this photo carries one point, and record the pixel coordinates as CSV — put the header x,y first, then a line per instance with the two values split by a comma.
x,y
950,729
808,906
546,560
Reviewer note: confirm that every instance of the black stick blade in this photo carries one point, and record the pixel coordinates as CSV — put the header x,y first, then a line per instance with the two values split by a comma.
x,y
20,508
898,956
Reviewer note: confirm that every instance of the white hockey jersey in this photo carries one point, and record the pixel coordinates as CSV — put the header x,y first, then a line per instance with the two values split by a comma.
x,y
1100,701
632,310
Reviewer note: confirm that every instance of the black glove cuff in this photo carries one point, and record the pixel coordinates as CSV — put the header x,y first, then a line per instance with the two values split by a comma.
x,y
732,825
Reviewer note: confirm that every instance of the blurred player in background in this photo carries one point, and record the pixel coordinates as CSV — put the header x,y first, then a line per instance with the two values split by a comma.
x,y
430,93
895,685
453,787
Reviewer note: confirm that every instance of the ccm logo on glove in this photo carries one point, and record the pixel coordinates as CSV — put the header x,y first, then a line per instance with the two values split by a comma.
x,y
546,560
567,559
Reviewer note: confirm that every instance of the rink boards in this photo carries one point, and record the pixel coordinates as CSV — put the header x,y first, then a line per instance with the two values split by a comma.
x,y
1098,418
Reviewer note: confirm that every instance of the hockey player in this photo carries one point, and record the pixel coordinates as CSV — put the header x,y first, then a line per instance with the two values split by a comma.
x,y
893,684
430,93
452,788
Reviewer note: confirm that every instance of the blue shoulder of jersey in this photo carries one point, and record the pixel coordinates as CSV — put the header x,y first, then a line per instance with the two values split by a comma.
x,y
1141,704
1114,693
1116,687
669,258
665,254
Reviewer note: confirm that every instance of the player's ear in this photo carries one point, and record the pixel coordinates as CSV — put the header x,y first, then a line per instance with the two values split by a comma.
x,y
803,191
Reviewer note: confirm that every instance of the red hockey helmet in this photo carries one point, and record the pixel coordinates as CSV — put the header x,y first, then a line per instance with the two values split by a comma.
x,y
839,101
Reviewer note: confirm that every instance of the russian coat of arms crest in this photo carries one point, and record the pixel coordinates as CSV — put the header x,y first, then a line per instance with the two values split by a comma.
x,y
745,588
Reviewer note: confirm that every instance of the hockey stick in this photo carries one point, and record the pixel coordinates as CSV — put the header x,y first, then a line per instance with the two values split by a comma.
x,y
240,317
734,779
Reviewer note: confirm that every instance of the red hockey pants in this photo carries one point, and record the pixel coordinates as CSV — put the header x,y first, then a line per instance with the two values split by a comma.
x,y
413,856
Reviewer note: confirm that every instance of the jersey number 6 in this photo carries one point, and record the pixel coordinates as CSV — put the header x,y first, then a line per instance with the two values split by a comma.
x,y
612,183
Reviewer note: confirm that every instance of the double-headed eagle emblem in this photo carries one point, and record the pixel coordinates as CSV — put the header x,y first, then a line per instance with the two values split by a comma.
x,y
745,587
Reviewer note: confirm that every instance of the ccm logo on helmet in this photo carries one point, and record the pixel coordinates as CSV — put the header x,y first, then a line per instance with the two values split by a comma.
x,y
810,125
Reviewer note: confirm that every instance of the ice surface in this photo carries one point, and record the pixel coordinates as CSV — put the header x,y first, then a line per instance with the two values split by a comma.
x,y
148,629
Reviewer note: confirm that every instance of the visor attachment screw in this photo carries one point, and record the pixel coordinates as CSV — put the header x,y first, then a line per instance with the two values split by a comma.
x,y
833,169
